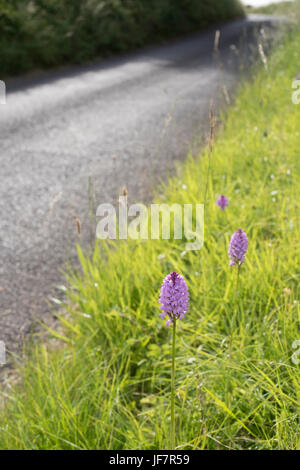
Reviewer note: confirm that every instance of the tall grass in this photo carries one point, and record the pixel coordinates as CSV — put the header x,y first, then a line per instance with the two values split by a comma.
x,y
46,33
107,385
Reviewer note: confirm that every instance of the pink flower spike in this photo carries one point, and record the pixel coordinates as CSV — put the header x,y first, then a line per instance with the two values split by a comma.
x,y
222,202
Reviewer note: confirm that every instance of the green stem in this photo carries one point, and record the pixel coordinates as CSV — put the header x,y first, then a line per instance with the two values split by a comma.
x,y
238,277
207,178
173,389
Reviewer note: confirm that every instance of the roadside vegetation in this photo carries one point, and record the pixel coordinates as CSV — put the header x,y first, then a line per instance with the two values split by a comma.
x,y
282,8
37,34
106,384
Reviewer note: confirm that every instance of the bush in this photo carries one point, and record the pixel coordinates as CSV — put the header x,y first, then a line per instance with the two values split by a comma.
x,y
46,33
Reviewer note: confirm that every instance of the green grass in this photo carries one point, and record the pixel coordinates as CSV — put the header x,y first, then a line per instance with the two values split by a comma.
x,y
37,34
106,385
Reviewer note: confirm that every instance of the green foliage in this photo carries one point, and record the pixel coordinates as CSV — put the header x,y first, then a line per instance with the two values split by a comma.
x,y
45,33
289,8
237,387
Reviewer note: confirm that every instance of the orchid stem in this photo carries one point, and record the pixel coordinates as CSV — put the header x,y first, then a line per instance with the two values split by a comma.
x,y
173,388
238,278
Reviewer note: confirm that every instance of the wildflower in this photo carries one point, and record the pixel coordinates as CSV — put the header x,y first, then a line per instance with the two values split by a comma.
x,y
174,297
222,202
237,248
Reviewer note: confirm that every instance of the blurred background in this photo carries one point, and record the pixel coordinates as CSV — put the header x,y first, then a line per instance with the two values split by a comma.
x,y
46,33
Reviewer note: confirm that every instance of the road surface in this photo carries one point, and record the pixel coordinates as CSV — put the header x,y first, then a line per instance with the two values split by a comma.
x,y
71,139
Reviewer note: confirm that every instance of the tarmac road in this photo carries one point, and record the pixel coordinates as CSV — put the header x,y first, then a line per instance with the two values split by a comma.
x,y
81,134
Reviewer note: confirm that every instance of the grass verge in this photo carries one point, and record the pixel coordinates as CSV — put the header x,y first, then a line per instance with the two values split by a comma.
x,y
237,386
